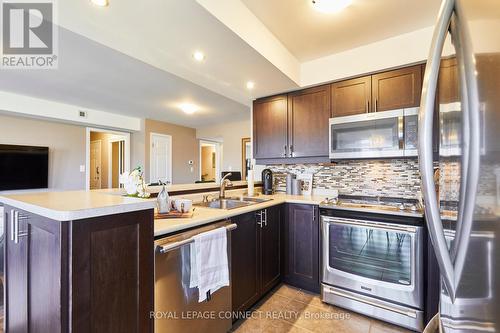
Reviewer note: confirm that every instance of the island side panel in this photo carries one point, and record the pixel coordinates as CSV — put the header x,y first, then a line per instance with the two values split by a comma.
x,y
35,274
112,282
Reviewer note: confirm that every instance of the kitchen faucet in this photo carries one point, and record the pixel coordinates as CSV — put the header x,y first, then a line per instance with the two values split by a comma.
x,y
223,184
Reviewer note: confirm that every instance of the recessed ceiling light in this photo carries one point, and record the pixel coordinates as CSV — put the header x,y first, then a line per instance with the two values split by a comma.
x,y
100,3
198,56
250,85
189,108
330,6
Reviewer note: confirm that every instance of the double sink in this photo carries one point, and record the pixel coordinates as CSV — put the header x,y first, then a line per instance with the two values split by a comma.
x,y
232,203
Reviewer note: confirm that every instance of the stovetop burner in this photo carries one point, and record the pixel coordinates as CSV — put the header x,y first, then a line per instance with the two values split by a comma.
x,y
383,204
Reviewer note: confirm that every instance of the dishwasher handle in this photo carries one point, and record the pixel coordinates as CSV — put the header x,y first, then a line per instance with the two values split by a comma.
x,y
162,249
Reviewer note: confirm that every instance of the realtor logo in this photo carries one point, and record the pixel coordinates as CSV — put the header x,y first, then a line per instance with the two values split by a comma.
x,y
28,34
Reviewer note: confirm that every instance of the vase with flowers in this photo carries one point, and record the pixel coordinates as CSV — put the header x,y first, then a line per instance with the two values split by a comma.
x,y
134,184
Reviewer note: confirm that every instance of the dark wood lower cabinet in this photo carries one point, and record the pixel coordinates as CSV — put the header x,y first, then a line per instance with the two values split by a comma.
x,y
93,275
255,256
302,259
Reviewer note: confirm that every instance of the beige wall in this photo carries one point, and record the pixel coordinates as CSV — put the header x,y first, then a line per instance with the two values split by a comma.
x,y
105,139
184,148
207,167
230,134
66,147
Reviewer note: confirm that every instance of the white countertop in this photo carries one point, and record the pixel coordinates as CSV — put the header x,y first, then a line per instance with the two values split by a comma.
x,y
204,215
75,205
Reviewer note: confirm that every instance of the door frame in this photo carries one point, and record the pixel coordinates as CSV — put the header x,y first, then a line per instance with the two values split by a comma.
x,y
87,150
110,160
169,137
218,157
99,141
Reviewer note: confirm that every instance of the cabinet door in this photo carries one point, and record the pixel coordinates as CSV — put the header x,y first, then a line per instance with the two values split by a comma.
x,y
309,111
270,127
33,274
270,248
448,87
351,97
302,247
245,262
113,273
397,89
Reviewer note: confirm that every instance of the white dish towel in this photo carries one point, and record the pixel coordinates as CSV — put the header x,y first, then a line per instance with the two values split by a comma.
x,y
209,264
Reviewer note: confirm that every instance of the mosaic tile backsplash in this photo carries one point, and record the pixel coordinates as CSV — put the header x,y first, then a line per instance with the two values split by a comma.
x,y
389,178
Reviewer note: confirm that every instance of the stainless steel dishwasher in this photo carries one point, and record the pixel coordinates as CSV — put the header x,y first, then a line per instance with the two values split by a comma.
x,y
176,305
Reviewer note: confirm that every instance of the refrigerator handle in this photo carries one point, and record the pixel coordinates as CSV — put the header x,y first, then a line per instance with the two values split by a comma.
x,y
425,136
474,144
457,41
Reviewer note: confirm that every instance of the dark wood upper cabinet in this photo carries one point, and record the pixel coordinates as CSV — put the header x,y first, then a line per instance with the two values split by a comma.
x,y
448,86
397,89
308,114
351,97
302,247
270,127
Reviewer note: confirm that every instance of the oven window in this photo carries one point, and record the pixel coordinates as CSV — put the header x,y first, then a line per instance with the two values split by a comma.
x,y
371,253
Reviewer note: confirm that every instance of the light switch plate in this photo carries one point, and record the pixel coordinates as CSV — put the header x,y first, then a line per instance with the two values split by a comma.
x,y
82,168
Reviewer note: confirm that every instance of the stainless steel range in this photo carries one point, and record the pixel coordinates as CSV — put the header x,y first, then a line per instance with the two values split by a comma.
x,y
372,258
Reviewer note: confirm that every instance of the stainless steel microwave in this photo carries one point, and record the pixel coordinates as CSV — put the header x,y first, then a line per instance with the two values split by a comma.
x,y
374,135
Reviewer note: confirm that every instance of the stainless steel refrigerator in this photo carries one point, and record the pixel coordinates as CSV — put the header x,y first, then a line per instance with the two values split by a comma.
x,y
461,179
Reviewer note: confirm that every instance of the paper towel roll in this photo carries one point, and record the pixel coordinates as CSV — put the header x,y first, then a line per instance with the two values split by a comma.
x,y
250,183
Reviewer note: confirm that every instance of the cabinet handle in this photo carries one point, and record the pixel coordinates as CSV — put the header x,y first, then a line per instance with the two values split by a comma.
x,y
292,153
367,106
258,216
284,151
265,216
12,223
314,214
376,105
15,235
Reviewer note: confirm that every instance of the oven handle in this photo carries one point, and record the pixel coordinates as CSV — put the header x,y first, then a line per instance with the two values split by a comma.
x,y
411,314
369,224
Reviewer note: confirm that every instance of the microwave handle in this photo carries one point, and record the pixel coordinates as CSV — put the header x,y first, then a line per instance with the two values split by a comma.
x,y
401,132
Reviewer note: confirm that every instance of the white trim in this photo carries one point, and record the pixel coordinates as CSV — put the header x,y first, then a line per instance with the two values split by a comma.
x,y
170,162
218,157
87,150
110,159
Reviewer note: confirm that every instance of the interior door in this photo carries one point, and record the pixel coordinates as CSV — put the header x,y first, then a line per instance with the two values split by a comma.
x,y
95,164
161,158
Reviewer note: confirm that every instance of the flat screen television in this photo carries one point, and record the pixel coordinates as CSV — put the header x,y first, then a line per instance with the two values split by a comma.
x,y
23,167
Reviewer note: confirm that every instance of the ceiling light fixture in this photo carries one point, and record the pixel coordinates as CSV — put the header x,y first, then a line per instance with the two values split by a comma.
x,y
330,6
250,85
188,108
198,56
100,3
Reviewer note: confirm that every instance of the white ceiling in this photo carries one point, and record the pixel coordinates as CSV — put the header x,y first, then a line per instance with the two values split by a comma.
x,y
135,58
309,34
165,33
97,77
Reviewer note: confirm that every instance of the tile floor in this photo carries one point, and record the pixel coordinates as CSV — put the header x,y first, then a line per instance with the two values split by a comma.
x,y
288,309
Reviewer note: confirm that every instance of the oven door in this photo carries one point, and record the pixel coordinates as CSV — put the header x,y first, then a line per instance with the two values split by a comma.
x,y
370,135
378,259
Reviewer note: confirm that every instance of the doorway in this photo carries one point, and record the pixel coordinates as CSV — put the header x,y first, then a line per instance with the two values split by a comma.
x,y
160,158
108,156
210,156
